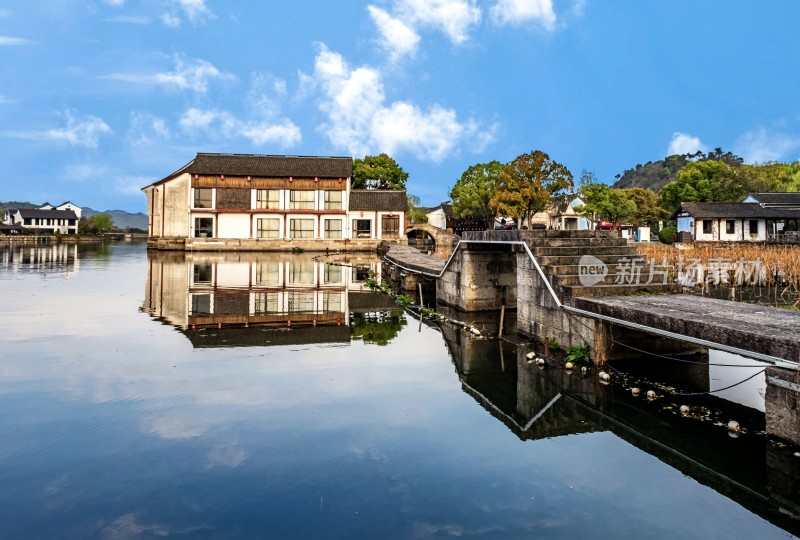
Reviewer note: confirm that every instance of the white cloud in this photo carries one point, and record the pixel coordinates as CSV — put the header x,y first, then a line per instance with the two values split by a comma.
x,y
79,131
188,75
147,129
115,3
683,143
453,17
5,101
761,146
222,124
195,11
360,121
11,41
517,12
397,38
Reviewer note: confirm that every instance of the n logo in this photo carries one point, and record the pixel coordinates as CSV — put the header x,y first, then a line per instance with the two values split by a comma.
x,y
591,270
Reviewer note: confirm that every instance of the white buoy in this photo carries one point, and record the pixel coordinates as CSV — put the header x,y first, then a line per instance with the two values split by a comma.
x,y
475,331
531,355
684,410
734,426
635,391
797,454
651,394
568,365
604,376
584,370
540,361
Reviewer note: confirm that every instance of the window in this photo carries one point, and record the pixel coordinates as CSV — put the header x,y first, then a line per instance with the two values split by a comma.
x,y
202,197
301,228
390,226
268,273
201,304
361,274
268,227
333,228
202,273
267,303
730,226
362,228
300,301
203,227
301,273
301,200
753,226
333,200
706,226
267,198
332,273
332,302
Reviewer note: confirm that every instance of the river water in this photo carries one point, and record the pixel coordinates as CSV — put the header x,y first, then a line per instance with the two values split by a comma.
x,y
266,396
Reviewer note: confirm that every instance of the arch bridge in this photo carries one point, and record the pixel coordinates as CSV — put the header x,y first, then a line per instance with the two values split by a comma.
x,y
443,240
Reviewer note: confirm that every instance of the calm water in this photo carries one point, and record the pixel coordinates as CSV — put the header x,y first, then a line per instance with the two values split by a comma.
x,y
127,411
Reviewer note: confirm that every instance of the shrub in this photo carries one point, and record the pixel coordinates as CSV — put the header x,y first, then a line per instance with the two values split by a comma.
x,y
579,355
667,235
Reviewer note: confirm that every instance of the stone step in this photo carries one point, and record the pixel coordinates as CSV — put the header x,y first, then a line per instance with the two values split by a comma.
x,y
580,242
550,233
553,261
584,250
617,290
611,278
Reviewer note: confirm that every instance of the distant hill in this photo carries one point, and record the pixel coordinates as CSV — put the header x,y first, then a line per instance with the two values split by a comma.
x,y
657,174
122,219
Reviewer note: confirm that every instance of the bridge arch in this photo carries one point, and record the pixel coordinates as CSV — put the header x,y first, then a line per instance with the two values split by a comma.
x,y
443,240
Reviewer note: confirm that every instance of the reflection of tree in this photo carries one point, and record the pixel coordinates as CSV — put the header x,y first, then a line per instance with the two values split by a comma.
x,y
377,327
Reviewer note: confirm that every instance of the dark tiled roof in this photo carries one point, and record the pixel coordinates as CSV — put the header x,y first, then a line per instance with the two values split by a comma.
x,y
378,199
777,199
47,214
261,165
734,210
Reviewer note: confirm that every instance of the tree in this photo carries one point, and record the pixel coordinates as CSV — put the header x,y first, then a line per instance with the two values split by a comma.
x,y
415,213
473,192
607,203
101,222
704,181
527,184
378,172
646,206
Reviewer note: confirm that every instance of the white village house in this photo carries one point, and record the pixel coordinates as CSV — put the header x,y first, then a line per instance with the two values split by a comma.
x,y
269,202
62,219
731,222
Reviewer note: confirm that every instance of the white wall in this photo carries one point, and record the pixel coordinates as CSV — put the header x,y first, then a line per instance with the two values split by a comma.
x,y
438,219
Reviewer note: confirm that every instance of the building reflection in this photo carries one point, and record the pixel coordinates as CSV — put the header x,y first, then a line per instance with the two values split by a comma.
x,y
248,299
539,403
41,258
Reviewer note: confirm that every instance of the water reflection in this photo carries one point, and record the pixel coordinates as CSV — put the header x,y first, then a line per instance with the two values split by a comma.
x,y
536,403
115,426
58,259
249,299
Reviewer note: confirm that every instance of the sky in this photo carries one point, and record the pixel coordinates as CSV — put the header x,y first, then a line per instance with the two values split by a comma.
x,y
99,98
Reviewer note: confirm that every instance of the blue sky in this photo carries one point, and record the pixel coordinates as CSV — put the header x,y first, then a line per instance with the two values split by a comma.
x,y
99,98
